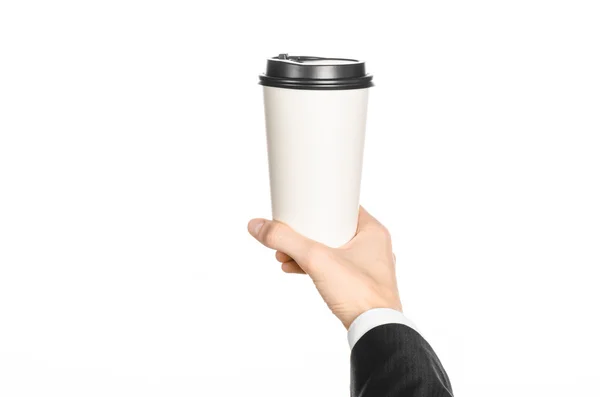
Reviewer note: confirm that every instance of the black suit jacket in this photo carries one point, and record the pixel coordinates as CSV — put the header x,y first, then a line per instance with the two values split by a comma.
x,y
393,360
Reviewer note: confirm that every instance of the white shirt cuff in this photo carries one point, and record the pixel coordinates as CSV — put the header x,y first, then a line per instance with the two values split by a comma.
x,y
374,318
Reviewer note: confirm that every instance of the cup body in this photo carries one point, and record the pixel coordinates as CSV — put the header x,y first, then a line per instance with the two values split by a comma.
x,y
315,142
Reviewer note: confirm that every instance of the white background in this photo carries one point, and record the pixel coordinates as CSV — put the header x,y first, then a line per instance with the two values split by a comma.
x,y
132,154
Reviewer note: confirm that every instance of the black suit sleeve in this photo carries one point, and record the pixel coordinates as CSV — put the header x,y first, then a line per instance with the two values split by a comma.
x,y
393,360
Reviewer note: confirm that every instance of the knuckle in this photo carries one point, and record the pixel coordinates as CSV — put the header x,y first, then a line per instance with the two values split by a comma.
x,y
384,232
271,234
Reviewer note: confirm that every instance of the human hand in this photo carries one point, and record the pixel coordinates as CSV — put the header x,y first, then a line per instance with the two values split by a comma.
x,y
352,279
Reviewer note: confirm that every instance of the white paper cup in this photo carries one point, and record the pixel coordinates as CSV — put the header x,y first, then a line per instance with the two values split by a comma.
x,y
315,139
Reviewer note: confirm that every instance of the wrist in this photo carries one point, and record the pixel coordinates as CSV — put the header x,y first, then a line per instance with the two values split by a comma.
x,y
393,304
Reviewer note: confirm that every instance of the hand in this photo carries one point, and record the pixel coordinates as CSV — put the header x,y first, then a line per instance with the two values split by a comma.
x,y
352,279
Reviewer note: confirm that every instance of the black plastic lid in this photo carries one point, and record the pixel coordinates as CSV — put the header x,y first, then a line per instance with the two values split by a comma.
x,y
315,73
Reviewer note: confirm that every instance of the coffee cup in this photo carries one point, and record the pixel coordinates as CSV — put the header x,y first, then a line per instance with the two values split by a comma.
x,y
316,112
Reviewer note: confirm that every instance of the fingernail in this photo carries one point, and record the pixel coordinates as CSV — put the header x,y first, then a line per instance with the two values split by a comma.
x,y
255,226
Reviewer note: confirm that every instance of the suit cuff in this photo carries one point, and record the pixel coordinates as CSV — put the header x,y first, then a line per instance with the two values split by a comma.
x,y
374,318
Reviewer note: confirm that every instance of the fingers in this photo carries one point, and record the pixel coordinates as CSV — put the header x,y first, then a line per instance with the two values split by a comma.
x,y
292,267
282,257
365,220
368,225
281,237
288,264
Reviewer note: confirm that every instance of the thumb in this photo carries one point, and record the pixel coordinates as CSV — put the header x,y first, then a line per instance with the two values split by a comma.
x,y
281,237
